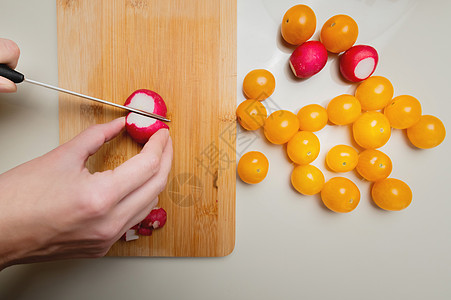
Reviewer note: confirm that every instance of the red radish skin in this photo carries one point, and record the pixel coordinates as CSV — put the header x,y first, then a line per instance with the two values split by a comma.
x,y
308,59
155,219
358,63
145,231
139,127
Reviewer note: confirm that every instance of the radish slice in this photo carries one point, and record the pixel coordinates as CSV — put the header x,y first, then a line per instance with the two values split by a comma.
x,y
139,127
130,235
358,63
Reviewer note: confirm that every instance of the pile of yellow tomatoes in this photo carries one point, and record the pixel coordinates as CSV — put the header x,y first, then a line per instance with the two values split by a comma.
x,y
371,112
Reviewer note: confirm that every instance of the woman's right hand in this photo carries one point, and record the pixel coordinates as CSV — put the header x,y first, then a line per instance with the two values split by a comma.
x,y
9,55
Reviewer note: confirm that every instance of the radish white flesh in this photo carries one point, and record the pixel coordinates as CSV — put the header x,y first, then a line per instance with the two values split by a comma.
x,y
139,127
365,68
358,63
130,235
144,102
140,120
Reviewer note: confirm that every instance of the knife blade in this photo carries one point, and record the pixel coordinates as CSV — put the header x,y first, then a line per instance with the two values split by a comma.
x,y
18,77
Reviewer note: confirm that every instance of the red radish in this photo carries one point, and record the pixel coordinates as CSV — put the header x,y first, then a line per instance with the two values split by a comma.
x,y
139,127
155,219
130,235
145,231
308,59
358,63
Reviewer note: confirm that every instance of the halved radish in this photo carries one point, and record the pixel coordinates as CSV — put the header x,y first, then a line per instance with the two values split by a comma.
x,y
308,59
139,127
358,63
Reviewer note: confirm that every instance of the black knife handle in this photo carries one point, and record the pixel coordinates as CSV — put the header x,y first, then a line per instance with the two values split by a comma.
x,y
11,74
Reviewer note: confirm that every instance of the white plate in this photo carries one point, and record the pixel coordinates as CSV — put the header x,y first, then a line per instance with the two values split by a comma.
x,y
411,39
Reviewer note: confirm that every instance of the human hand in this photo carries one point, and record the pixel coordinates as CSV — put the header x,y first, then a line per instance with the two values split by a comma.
x,y
53,208
9,55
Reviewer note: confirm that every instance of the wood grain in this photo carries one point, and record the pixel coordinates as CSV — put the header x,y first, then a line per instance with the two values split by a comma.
x,y
186,51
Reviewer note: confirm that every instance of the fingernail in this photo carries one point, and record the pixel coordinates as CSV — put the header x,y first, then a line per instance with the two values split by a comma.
x,y
164,130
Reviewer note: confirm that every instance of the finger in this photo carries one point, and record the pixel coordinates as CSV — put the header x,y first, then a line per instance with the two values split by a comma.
x,y
7,86
140,168
139,199
9,53
89,141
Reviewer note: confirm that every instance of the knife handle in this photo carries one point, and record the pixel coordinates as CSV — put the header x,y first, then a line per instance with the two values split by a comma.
x,y
11,74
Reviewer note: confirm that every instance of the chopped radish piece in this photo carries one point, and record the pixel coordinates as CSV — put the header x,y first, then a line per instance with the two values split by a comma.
x,y
358,63
158,217
139,127
145,231
130,235
155,219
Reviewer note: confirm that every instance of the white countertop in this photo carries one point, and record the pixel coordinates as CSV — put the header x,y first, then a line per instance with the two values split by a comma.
x,y
287,246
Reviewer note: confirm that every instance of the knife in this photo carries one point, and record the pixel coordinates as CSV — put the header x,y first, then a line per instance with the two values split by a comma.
x,y
17,77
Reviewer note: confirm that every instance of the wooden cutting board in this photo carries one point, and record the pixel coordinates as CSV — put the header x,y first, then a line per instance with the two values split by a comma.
x,y
186,51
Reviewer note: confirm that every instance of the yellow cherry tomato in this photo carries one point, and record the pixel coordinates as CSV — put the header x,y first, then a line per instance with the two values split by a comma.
x,y
281,126
374,93
391,194
312,117
339,33
371,130
343,109
253,167
303,147
251,114
342,158
340,194
374,165
259,84
298,24
428,132
403,111
307,179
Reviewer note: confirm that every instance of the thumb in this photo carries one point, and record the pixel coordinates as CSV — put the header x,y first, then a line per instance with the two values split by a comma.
x,y
89,141
7,86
